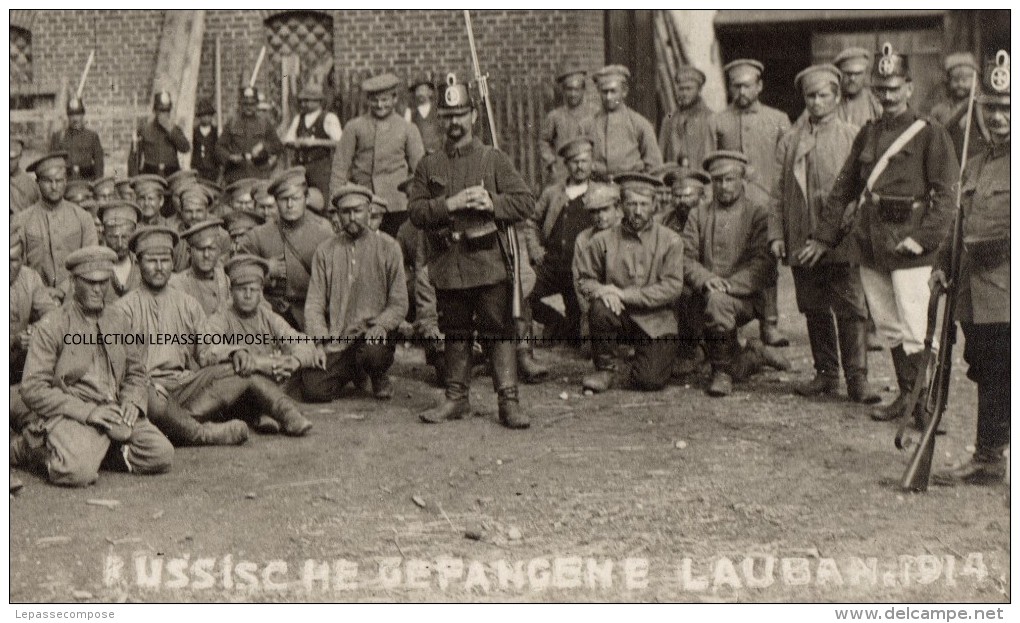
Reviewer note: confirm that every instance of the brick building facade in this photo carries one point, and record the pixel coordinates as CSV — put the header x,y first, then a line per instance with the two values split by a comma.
x,y
522,48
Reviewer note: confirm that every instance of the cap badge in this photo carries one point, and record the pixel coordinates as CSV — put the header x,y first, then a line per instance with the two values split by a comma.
x,y
452,95
887,65
999,78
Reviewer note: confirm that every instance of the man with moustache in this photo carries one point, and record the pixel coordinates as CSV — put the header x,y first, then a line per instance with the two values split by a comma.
x,y
632,275
901,171
728,265
829,294
204,278
571,120
120,218
53,227
379,150
754,129
983,304
288,244
463,197
83,406
685,135
357,297
624,140
159,141
858,105
961,70
551,233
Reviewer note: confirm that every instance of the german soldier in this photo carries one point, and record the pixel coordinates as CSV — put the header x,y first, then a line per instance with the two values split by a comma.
x,y
901,171
983,285
249,146
84,151
158,142
463,197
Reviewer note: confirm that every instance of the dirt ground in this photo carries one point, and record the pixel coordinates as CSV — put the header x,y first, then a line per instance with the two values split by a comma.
x,y
625,496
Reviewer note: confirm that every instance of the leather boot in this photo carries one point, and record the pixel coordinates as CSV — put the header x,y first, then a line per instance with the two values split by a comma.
x,y
531,371
919,375
985,467
904,378
875,342
504,381
853,352
382,387
769,325
821,330
16,484
267,425
273,401
721,350
458,381
182,429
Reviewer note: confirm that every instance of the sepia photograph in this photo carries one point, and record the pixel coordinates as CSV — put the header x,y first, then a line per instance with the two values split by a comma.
x,y
366,305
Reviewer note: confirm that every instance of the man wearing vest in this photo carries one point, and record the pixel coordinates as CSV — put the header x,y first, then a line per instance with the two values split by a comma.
x,y
900,171
423,113
313,135
204,138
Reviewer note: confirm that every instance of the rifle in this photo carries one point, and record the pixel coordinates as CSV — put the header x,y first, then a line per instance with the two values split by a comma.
x,y
85,74
513,252
933,400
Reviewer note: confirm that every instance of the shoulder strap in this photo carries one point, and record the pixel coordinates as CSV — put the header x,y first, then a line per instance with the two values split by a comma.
x,y
893,149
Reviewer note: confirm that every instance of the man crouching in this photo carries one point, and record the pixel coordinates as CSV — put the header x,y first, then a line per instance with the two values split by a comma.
x,y
79,401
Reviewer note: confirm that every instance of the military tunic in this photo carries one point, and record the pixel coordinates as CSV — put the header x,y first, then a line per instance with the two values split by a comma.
x,y
166,312
860,109
158,148
754,131
263,321
212,293
378,154
240,137
51,234
84,153
430,127
64,383
624,142
560,125
728,242
686,135
296,244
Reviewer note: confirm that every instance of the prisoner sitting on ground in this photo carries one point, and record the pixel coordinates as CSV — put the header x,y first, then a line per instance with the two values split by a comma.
x,y
30,300
120,218
268,365
357,298
632,275
204,278
603,202
84,405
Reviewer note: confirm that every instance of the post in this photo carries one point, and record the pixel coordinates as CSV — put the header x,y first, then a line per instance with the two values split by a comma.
x,y
219,88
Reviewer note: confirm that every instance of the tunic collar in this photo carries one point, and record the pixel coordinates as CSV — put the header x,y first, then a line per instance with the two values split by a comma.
x,y
464,151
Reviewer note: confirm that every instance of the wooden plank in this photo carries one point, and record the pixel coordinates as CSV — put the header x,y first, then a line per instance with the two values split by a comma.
x,y
184,106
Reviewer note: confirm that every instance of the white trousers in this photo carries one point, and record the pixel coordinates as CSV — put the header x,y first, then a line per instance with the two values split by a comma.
x,y
898,301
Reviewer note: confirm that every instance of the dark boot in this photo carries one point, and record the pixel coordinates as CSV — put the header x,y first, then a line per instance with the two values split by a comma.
x,y
504,381
769,324
382,387
875,342
904,378
986,467
271,399
853,352
458,381
821,330
531,371
918,375
182,429
721,349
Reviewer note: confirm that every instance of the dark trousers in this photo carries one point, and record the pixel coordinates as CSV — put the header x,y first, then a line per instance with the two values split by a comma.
x,y
986,352
653,357
346,366
829,290
551,279
483,308
317,173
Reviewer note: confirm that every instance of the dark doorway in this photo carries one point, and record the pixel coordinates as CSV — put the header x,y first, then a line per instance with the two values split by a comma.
x,y
783,49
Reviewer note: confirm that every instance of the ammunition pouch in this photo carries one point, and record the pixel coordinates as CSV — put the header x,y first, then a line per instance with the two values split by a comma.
x,y
987,254
896,209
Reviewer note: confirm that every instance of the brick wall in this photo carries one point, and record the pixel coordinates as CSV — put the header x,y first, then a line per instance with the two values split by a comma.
x,y
515,46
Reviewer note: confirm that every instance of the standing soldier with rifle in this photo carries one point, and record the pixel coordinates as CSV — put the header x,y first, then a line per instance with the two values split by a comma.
x,y
466,197
901,171
156,144
981,283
